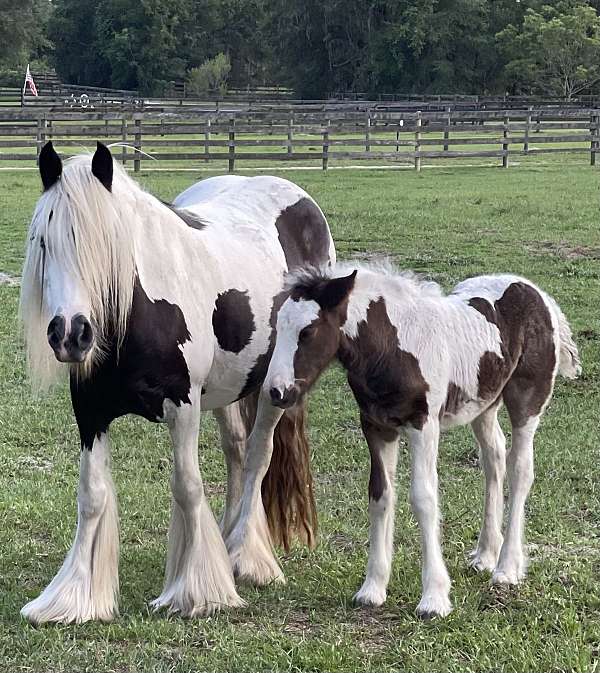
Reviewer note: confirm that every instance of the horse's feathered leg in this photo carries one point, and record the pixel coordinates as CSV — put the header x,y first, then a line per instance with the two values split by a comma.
x,y
87,585
249,543
198,578
233,442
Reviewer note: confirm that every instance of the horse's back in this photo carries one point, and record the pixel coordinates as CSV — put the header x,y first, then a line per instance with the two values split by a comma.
x,y
265,202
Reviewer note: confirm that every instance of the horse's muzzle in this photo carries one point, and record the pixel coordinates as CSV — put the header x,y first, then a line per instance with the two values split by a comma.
x,y
286,398
72,345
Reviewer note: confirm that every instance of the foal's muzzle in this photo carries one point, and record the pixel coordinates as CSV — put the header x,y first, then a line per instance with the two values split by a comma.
x,y
286,398
74,344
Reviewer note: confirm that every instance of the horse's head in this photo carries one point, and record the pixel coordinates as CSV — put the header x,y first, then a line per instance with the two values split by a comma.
x,y
308,336
76,254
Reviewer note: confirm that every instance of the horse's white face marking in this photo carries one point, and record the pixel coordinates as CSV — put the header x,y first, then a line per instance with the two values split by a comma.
x,y
293,317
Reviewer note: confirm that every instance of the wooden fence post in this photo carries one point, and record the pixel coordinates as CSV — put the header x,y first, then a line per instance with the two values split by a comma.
x,y
594,135
418,142
40,139
447,129
367,130
207,140
326,145
505,143
527,128
290,134
123,139
137,143
231,167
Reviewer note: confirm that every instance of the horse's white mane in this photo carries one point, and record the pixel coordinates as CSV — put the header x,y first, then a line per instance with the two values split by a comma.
x,y
93,232
381,273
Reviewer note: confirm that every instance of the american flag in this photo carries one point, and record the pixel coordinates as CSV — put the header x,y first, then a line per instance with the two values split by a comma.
x,y
29,81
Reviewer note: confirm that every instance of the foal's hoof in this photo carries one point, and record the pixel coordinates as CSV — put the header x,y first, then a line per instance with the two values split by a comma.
x,y
482,561
370,595
434,606
507,577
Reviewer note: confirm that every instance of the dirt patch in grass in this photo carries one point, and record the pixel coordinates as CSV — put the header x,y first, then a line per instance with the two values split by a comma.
x,y
563,250
7,279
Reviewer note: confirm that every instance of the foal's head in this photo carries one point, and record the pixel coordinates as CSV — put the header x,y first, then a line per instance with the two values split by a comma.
x,y
308,335
79,266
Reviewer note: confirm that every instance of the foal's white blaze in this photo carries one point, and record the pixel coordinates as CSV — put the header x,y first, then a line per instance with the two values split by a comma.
x,y
292,318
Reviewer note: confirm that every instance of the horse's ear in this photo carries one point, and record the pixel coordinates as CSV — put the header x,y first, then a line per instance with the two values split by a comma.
x,y
334,292
102,165
50,165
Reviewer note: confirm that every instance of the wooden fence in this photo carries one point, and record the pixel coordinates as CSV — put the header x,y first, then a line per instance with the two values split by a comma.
x,y
310,137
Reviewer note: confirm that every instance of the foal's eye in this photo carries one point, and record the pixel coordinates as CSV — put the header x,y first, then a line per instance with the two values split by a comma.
x,y
305,334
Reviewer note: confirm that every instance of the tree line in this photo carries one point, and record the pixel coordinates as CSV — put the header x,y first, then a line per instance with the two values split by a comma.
x,y
316,47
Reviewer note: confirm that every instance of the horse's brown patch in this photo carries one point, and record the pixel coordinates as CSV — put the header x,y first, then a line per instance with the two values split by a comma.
x,y
386,381
303,234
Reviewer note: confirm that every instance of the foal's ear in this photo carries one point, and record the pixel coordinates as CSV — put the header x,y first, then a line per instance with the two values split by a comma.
x,y
102,165
50,165
333,293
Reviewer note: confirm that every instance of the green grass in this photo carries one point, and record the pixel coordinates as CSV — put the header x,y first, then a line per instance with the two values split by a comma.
x,y
449,224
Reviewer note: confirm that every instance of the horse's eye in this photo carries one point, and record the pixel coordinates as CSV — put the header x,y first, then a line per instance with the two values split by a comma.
x,y
42,243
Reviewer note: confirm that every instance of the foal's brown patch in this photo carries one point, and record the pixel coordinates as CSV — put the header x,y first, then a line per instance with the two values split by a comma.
x,y
386,381
456,398
375,434
524,374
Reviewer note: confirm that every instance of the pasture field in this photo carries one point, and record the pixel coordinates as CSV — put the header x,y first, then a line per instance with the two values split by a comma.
x,y
542,222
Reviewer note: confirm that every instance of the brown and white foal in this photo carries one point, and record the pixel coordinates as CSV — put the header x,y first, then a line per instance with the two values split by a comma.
x,y
421,362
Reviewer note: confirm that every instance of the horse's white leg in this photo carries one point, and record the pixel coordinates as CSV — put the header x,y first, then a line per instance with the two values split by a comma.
x,y
435,600
233,443
198,578
87,585
492,444
249,543
512,564
383,447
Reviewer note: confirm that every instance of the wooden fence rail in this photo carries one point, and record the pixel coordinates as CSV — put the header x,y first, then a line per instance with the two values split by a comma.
x,y
409,138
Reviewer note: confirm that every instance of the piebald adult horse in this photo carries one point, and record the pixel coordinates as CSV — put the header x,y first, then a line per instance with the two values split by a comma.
x,y
420,362
165,311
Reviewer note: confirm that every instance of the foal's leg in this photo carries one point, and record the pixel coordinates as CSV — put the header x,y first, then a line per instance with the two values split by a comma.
x,y
87,585
198,578
512,564
435,600
249,543
492,445
233,443
383,446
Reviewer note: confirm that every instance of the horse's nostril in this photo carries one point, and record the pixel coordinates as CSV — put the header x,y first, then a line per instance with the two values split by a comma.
x,y
56,331
275,394
82,333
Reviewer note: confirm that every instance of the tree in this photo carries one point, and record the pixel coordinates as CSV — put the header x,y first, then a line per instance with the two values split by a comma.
x,y
555,51
211,76
22,36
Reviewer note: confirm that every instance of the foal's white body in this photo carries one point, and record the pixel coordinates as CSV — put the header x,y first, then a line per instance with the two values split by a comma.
x,y
120,234
448,338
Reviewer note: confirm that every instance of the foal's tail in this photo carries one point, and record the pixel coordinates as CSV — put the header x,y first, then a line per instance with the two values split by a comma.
x,y
287,488
569,364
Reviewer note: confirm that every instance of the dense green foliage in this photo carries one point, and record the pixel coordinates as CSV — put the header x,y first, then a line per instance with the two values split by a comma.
x,y
314,46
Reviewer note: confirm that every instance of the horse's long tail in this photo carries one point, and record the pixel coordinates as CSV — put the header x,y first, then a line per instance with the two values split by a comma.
x,y
287,488
569,364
